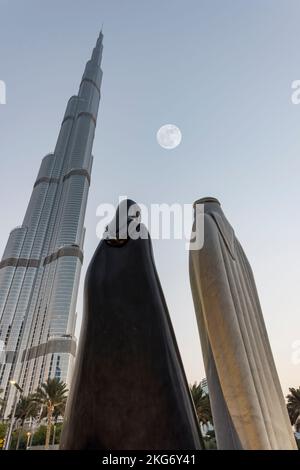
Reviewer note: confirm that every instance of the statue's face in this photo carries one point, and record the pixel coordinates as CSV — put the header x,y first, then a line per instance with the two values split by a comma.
x,y
117,232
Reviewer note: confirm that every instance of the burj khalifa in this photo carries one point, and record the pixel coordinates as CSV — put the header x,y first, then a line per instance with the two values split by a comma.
x,y
41,264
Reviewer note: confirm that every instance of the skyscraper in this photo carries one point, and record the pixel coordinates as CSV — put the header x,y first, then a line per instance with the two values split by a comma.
x,y
40,268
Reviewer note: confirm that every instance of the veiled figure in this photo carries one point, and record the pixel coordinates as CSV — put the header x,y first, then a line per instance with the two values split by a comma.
x,y
248,406
129,389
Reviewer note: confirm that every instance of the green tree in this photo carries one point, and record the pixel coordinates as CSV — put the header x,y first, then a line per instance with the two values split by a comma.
x,y
293,407
26,408
210,440
202,404
39,436
3,429
57,428
51,395
18,439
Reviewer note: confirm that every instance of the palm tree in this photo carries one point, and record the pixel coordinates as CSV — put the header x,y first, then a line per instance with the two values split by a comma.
x,y
51,395
293,406
26,408
58,412
202,404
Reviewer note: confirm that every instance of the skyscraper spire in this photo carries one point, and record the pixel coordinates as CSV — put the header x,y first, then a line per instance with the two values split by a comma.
x,y
98,49
40,268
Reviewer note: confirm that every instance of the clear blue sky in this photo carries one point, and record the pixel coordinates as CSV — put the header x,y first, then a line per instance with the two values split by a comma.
x,y
221,71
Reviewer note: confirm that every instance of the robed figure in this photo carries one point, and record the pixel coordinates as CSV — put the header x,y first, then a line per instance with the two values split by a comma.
x,y
129,389
248,406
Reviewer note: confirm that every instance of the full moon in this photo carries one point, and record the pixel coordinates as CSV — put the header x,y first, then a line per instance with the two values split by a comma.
x,y
169,136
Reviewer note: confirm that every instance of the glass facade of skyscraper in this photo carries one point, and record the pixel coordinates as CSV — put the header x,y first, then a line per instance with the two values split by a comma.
x,y
41,264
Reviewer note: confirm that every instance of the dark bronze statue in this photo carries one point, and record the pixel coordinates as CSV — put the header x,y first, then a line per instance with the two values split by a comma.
x,y
129,389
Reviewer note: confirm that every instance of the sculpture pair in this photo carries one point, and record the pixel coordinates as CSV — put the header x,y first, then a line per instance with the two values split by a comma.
x,y
129,389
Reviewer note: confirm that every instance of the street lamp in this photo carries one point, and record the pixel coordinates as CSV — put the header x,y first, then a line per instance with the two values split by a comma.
x,y
12,421
28,439
13,382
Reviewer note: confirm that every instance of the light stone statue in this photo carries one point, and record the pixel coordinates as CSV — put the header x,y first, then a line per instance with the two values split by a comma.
x,y
248,406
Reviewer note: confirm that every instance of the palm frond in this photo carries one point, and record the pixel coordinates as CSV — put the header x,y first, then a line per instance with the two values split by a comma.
x,y
202,404
293,404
